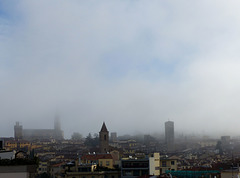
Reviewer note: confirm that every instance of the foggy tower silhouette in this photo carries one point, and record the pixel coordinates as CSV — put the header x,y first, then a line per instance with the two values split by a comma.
x,y
33,134
58,133
18,131
104,139
169,132
57,124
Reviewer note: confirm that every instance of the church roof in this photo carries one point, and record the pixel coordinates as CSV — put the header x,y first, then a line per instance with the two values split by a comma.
x,y
104,128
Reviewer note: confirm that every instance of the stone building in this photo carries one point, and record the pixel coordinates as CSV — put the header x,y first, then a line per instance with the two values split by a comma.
x,y
38,134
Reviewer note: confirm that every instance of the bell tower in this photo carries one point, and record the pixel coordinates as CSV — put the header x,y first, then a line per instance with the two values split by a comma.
x,y
104,139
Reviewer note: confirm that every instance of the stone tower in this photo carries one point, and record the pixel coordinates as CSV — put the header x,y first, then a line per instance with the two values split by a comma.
x,y
18,131
104,139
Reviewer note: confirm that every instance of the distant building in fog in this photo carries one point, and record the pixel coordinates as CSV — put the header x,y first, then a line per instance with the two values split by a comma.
x,y
225,140
34,134
146,139
18,131
169,132
113,137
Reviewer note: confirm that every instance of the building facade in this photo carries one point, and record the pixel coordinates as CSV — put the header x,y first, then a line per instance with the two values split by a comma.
x,y
132,168
40,134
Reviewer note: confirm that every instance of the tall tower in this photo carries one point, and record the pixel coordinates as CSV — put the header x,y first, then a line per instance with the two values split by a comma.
x,y
18,131
57,124
169,133
104,139
113,136
58,133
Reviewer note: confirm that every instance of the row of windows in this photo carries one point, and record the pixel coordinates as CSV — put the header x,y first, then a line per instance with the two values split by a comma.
x,y
107,163
164,163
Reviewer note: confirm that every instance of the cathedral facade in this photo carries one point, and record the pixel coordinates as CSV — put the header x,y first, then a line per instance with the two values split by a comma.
x,y
39,134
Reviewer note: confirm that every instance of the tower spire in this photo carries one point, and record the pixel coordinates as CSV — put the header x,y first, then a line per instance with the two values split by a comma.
x,y
104,139
104,128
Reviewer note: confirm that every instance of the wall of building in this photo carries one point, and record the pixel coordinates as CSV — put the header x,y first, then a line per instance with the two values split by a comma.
x,y
168,164
154,164
106,163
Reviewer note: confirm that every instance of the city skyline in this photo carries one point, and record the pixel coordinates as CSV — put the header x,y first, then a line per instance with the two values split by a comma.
x,y
168,134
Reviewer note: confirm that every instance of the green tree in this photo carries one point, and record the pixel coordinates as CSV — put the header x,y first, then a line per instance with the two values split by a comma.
x,y
91,141
76,136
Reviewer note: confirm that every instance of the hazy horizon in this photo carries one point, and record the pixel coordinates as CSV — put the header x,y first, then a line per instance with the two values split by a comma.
x,y
132,64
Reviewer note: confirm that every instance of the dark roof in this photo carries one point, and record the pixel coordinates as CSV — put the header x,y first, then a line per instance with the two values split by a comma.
x,y
104,128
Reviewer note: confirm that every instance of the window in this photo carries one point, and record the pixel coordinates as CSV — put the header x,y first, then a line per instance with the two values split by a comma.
x,y
136,173
107,163
100,163
172,162
164,164
105,137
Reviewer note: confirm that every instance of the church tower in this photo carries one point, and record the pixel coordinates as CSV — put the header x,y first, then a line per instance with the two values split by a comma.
x,y
104,139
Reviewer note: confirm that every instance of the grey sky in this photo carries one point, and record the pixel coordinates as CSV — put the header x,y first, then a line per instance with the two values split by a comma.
x,y
132,64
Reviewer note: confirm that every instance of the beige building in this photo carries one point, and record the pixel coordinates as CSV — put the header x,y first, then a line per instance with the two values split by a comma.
x,y
17,144
168,163
154,164
103,160
230,173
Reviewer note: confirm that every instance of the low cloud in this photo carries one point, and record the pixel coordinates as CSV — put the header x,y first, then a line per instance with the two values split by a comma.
x,y
131,64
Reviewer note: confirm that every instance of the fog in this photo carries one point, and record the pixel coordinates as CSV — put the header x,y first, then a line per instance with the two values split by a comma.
x,y
132,64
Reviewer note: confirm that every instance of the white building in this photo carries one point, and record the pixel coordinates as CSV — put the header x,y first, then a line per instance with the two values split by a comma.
x,y
7,154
